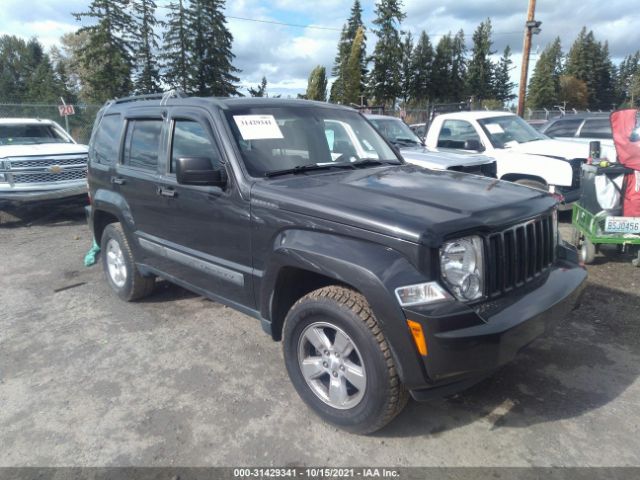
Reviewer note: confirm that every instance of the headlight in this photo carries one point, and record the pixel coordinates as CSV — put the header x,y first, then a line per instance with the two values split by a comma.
x,y
462,267
421,294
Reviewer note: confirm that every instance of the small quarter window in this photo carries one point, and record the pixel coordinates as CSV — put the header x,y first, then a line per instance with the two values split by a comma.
x,y
142,144
104,149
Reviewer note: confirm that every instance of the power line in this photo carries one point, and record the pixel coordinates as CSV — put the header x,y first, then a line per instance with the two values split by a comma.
x,y
334,29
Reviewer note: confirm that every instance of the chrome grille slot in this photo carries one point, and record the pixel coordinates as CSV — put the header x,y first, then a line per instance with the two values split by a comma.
x,y
519,254
43,177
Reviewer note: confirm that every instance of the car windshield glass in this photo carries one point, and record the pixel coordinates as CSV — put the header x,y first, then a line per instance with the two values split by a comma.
x,y
29,134
290,139
396,131
508,130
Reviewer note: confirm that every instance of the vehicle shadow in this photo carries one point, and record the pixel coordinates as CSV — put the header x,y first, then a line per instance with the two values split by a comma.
x,y
165,291
43,214
580,366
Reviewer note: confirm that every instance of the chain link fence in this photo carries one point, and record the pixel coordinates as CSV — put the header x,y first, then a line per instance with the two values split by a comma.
x,y
78,125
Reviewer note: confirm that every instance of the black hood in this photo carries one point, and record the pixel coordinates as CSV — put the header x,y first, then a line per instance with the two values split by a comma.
x,y
406,202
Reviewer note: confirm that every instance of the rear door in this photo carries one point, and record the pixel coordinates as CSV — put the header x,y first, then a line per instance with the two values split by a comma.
x,y
137,176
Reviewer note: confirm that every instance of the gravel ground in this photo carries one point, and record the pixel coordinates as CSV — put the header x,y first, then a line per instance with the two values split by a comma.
x,y
87,380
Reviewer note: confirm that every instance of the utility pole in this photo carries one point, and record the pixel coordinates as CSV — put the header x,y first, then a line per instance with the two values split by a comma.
x,y
531,27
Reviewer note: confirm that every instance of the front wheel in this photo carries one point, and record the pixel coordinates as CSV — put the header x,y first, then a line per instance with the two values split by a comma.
x,y
339,361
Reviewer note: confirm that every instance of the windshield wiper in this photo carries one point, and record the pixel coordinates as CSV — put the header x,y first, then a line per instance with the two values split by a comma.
x,y
373,161
307,168
405,141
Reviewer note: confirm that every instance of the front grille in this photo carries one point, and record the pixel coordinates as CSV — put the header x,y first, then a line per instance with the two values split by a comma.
x,y
22,178
47,162
487,169
519,254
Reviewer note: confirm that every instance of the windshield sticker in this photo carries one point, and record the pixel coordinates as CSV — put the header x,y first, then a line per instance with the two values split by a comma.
x,y
494,128
258,127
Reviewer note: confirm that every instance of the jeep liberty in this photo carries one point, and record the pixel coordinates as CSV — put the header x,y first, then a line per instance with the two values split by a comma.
x,y
382,279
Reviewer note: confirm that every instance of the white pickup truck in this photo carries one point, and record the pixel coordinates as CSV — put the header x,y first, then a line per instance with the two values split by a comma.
x,y
39,161
523,155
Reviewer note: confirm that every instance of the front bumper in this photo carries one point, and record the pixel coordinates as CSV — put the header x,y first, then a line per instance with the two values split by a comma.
x,y
20,196
466,344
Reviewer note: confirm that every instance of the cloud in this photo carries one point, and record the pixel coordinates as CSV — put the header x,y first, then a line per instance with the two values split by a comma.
x,y
286,55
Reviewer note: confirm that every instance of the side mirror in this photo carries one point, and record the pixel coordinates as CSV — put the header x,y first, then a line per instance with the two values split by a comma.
x,y
198,171
472,144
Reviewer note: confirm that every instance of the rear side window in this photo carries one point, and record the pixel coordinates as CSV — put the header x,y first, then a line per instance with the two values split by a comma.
x,y
190,139
142,144
455,132
107,140
596,128
564,128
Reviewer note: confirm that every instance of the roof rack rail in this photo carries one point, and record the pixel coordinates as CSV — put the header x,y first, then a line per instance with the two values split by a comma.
x,y
163,97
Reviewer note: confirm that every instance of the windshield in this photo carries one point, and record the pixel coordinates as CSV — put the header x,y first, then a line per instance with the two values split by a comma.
x,y
279,139
29,134
396,131
509,130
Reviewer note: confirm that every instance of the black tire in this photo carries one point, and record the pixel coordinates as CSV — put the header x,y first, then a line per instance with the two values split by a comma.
x,y
532,184
135,286
383,396
587,251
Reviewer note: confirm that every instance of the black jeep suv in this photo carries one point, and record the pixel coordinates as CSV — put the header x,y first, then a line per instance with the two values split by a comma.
x,y
381,278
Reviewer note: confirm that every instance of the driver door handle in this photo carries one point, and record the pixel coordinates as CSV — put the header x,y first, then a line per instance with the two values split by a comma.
x,y
117,180
166,191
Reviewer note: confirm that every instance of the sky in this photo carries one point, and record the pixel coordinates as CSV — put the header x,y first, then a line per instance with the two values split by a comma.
x,y
287,54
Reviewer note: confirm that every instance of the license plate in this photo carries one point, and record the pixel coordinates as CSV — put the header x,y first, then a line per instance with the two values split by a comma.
x,y
622,225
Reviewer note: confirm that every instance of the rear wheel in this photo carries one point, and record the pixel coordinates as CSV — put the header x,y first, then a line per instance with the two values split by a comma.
x,y
339,361
119,265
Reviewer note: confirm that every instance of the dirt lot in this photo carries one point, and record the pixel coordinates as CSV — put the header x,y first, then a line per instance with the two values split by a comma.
x,y
86,379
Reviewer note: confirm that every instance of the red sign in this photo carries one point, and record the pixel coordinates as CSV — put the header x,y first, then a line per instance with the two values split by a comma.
x,y
66,110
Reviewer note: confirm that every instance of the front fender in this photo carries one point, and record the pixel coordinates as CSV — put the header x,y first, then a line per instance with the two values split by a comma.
x,y
554,171
372,269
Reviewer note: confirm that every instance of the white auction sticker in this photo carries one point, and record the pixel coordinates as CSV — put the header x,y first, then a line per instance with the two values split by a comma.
x,y
494,128
258,127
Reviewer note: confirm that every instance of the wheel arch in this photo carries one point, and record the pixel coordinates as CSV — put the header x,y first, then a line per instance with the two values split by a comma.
x,y
306,260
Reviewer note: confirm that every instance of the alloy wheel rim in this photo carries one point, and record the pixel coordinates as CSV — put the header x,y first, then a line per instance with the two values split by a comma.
x,y
332,365
116,265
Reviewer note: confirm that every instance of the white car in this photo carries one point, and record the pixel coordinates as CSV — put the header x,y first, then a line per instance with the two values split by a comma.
x,y
523,155
415,152
39,161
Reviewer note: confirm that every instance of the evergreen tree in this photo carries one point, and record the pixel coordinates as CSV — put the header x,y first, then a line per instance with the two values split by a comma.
x,y
317,85
628,70
406,68
385,78
176,47
458,67
503,86
353,71
212,71
588,60
260,90
442,69
544,85
480,73
147,77
107,55
421,82
347,37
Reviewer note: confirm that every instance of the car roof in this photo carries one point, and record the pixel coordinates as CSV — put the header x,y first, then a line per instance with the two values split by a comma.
x,y
223,103
29,121
476,114
581,116
372,116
